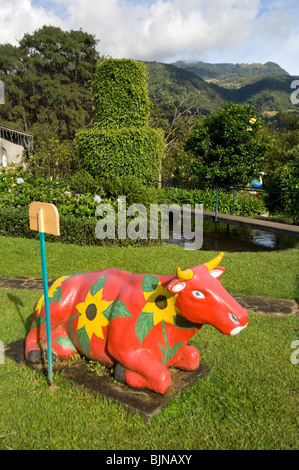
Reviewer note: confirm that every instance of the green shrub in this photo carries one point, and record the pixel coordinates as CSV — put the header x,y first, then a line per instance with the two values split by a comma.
x,y
135,191
245,204
286,178
53,159
122,152
82,182
121,96
14,222
121,143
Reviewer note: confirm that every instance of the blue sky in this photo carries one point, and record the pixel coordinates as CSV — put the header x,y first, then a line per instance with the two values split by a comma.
x,y
242,31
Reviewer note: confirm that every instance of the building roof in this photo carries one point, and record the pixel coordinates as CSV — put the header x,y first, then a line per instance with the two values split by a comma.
x,y
4,130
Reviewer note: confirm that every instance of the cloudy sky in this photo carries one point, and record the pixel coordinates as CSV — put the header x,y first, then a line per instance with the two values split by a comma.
x,y
236,31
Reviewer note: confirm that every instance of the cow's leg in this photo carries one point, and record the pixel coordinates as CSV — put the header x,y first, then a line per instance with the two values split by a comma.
x,y
36,342
33,350
189,359
62,346
144,371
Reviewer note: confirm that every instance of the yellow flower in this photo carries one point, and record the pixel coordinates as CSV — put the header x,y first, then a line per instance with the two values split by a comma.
x,y
249,129
51,292
252,121
91,314
13,185
162,304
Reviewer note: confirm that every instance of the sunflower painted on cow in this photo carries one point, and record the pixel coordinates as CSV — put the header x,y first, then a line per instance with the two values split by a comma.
x,y
140,324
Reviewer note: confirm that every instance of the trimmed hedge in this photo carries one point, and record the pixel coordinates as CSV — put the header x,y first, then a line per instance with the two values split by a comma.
x,y
121,152
14,222
121,95
122,143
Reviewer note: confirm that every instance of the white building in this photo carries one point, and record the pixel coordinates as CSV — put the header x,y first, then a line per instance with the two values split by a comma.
x,y
12,145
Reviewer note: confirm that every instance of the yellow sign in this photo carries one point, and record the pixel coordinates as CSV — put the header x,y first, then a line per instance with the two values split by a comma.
x,y
44,217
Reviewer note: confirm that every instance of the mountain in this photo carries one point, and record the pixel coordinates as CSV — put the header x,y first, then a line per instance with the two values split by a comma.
x,y
208,86
232,75
168,82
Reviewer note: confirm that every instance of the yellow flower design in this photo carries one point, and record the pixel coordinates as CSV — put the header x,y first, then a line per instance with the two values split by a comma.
x,y
91,314
54,294
159,307
162,304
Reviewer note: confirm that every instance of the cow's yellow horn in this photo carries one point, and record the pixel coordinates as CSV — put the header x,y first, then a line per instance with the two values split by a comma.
x,y
186,275
214,263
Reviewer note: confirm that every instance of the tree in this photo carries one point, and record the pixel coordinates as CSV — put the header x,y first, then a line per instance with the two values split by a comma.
x,y
285,136
177,121
228,147
121,143
48,82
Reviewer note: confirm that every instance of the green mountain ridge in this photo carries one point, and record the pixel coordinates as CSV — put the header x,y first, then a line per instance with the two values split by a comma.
x,y
207,86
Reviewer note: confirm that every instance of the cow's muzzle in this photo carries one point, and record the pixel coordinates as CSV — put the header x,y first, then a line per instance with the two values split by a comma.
x,y
237,330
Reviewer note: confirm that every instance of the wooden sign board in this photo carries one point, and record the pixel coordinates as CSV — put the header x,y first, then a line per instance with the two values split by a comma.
x,y
44,217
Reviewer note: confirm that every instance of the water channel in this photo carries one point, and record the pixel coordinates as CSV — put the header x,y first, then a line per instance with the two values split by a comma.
x,y
232,238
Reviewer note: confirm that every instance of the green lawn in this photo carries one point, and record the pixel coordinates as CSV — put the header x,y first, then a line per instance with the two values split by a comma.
x,y
249,400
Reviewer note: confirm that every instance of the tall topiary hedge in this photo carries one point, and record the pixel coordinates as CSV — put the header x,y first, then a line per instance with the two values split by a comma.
x,y
121,95
121,143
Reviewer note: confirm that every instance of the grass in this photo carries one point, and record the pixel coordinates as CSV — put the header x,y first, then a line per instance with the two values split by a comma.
x,y
249,400
270,274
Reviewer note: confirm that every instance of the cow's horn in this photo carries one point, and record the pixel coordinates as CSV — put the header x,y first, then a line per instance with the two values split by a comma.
x,y
186,275
214,263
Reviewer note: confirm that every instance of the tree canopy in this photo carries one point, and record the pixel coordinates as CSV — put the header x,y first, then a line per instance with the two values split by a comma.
x,y
228,146
48,82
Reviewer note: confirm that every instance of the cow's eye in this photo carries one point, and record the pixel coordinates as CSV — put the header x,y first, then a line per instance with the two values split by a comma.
x,y
198,294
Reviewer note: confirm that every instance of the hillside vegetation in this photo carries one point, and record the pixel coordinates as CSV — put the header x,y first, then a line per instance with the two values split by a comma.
x,y
267,87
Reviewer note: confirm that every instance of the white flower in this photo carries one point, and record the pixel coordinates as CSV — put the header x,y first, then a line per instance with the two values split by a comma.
x,y
20,181
97,198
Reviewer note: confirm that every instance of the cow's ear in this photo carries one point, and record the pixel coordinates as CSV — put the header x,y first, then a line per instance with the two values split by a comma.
x,y
217,272
176,286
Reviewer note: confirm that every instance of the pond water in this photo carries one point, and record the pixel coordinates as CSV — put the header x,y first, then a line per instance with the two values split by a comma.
x,y
219,238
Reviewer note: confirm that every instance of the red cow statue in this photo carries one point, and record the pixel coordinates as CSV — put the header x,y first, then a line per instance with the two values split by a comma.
x,y
140,324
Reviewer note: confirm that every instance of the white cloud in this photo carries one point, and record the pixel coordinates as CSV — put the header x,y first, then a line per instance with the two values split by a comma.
x,y
18,17
168,30
164,30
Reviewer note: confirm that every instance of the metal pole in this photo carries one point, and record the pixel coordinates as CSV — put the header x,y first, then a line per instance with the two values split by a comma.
x,y
47,306
216,208
234,197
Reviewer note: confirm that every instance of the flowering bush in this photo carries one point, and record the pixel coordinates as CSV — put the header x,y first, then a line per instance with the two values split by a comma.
x,y
53,159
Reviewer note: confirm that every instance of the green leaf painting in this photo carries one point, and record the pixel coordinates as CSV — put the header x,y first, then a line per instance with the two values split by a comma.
x,y
168,353
71,329
65,342
56,296
145,323
84,341
38,322
149,283
116,309
98,285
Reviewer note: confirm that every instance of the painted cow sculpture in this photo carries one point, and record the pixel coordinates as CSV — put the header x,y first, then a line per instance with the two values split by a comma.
x,y
138,323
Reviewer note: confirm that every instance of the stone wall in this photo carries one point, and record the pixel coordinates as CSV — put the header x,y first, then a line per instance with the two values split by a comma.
x,y
10,152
